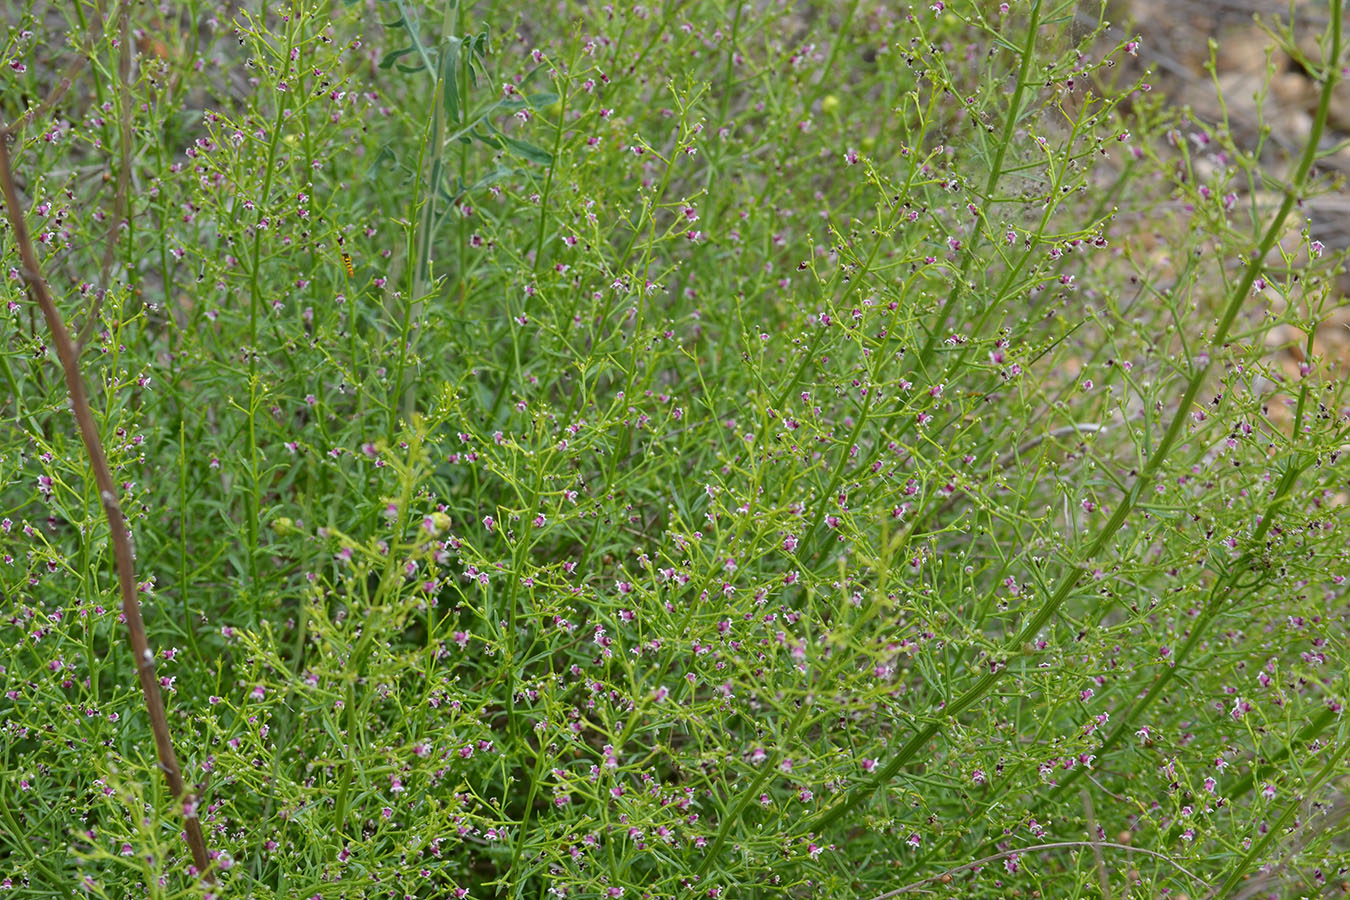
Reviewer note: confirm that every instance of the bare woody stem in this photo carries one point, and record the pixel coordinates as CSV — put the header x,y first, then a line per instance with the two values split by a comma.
x,y
123,554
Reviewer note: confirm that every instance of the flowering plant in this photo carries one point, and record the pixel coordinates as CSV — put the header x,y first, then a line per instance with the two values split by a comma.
x,y
661,451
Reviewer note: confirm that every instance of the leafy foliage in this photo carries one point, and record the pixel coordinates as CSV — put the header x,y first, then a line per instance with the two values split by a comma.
x,y
755,454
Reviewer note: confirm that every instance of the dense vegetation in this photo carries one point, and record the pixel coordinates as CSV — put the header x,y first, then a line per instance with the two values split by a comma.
x,y
672,450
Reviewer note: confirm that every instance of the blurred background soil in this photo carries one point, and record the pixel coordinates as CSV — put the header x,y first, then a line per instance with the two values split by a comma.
x,y
1255,82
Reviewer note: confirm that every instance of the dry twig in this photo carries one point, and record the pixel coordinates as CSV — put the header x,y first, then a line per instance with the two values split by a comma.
x,y
120,535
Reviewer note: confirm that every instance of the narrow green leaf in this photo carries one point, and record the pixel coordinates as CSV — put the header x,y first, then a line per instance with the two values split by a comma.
x,y
482,44
479,47
533,101
388,60
529,151
384,158
495,175
450,79
456,188
522,148
488,139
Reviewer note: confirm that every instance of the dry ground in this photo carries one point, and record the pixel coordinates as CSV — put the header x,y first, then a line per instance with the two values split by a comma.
x,y
1176,37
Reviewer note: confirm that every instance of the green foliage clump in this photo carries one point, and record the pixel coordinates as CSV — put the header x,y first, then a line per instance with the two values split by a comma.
x,y
695,449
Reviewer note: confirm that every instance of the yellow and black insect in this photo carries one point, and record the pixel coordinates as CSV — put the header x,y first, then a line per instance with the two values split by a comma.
x,y
347,263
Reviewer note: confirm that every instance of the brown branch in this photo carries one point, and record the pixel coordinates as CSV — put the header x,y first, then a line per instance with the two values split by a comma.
x,y
120,534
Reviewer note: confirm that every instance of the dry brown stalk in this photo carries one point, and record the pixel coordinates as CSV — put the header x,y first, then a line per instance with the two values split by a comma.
x,y
123,554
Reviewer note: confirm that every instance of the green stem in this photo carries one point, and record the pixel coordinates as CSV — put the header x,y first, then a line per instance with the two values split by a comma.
x,y
529,807
252,498
373,624
731,60
1146,477
548,179
767,768
995,173
1277,830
